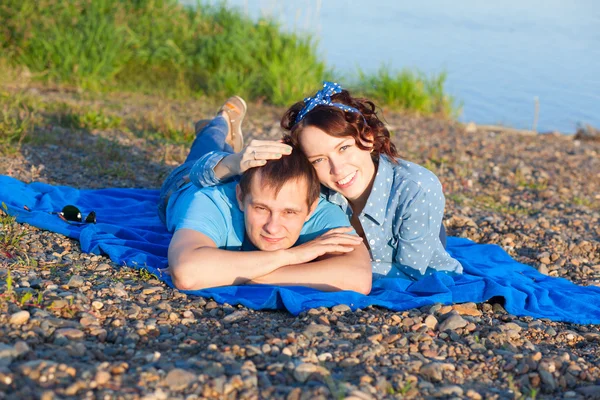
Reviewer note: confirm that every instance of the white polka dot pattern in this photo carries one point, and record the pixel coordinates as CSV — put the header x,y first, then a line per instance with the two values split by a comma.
x,y
403,227
323,97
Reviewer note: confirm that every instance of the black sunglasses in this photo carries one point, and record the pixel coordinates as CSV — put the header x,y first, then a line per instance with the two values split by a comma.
x,y
72,214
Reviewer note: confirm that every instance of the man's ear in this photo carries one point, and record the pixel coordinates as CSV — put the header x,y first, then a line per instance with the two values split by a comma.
x,y
238,196
312,209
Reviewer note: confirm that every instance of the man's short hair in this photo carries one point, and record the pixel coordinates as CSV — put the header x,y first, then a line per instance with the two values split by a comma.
x,y
275,173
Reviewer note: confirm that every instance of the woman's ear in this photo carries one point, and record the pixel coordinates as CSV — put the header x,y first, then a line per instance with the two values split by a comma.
x,y
370,142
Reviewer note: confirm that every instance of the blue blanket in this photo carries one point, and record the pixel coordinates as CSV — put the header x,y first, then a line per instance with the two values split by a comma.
x,y
130,232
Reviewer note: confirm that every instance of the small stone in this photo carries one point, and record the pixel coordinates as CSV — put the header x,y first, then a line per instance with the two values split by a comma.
x,y
431,321
454,321
120,291
341,308
543,269
377,337
592,337
551,332
76,281
315,329
152,290
349,362
592,392
444,310
235,316
548,380
467,309
21,348
252,350
450,390
510,326
179,379
19,318
432,371
102,377
303,371
97,305
471,394
70,333
358,395
102,268
470,127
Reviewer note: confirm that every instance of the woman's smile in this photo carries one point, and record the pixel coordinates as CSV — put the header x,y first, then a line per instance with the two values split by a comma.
x,y
347,181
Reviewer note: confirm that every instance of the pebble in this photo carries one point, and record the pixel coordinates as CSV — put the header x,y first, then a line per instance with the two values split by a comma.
x,y
178,379
453,322
431,321
76,281
70,333
102,377
97,305
102,267
152,290
432,371
19,318
315,329
235,316
467,309
450,390
341,308
304,371
349,362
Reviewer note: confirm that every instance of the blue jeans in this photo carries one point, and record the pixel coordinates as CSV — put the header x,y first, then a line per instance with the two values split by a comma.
x,y
210,138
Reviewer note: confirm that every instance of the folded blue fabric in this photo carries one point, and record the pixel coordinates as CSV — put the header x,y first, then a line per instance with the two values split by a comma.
x,y
130,232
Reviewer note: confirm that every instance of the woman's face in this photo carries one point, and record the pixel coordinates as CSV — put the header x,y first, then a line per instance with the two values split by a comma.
x,y
340,164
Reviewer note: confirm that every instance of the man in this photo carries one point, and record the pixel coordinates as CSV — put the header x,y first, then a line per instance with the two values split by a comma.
x,y
271,227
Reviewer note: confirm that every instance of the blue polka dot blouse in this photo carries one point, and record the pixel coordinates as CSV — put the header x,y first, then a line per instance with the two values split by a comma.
x,y
402,220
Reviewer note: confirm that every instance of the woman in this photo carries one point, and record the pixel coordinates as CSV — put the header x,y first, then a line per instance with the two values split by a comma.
x,y
395,205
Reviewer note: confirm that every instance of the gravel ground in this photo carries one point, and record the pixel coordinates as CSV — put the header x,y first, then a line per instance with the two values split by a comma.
x,y
93,329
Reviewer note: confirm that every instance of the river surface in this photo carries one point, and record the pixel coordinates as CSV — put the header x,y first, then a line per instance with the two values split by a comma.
x,y
499,56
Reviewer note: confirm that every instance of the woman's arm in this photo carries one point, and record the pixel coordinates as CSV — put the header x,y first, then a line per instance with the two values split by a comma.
x,y
216,167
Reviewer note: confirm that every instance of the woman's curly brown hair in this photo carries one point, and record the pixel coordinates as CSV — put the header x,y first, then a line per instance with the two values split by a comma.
x,y
365,128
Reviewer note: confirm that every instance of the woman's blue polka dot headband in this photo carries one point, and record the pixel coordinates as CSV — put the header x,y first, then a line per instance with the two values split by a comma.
x,y
323,97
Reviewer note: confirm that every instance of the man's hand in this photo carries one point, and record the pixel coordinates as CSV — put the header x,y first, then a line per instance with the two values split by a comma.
x,y
256,154
334,241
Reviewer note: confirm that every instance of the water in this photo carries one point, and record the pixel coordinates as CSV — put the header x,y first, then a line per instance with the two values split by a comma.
x,y
499,56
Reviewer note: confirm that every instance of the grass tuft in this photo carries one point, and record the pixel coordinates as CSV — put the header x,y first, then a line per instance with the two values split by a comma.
x,y
10,232
16,122
409,91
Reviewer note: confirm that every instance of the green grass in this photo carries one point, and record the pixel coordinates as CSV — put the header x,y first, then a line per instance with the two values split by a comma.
x,y
161,46
410,91
16,122
10,233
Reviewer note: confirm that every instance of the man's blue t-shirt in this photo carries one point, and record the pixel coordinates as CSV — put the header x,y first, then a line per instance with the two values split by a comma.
x,y
214,212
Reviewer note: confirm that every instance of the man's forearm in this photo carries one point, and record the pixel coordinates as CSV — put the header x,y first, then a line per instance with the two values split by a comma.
x,y
207,267
350,271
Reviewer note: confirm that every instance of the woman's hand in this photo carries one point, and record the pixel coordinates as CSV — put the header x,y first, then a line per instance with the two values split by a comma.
x,y
334,241
256,154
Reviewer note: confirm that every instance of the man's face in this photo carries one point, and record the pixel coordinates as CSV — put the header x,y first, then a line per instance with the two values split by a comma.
x,y
273,222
